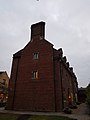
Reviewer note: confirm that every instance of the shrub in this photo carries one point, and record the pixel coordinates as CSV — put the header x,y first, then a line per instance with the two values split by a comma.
x,y
67,110
78,103
88,95
74,106
2,104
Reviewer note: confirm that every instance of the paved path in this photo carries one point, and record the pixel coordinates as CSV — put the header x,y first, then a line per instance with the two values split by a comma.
x,y
81,113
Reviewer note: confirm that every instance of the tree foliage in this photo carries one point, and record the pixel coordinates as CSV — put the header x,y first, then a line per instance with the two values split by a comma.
x,y
88,94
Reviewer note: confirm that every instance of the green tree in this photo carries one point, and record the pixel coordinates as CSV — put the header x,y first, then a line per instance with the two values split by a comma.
x,y
88,95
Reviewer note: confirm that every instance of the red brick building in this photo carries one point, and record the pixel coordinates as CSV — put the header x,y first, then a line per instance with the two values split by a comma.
x,y
4,80
41,79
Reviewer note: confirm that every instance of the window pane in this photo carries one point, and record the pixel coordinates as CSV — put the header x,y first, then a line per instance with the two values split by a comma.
x,y
35,56
35,74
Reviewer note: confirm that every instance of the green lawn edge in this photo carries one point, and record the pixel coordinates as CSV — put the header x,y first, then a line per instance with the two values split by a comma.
x,y
10,116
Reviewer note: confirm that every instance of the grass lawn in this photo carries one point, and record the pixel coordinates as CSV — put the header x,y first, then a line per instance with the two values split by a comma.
x,y
5,116
49,118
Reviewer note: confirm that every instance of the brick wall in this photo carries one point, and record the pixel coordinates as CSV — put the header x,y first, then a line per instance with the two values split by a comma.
x,y
35,94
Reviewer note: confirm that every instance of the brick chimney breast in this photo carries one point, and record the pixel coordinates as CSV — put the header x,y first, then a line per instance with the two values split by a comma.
x,y
38,30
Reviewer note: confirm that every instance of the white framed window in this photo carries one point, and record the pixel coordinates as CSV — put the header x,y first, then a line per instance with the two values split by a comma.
x,y
34,74
35,55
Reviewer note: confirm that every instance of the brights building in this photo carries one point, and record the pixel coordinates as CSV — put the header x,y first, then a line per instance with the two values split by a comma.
x,y
41,78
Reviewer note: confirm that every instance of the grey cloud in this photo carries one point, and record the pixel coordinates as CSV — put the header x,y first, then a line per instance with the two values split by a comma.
x,y
67,26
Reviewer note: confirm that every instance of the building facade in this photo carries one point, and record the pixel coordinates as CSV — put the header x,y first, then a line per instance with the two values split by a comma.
x,y
41,78
4,80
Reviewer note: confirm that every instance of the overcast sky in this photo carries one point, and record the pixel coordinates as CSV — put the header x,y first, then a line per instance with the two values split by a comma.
x,y
67,27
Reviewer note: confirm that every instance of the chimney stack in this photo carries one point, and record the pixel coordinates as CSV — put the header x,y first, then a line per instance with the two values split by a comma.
x,y
38,30
67,64
65,59
60,52
71,69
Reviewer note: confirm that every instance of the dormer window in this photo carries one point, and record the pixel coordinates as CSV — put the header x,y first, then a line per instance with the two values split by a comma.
x,y
35,55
